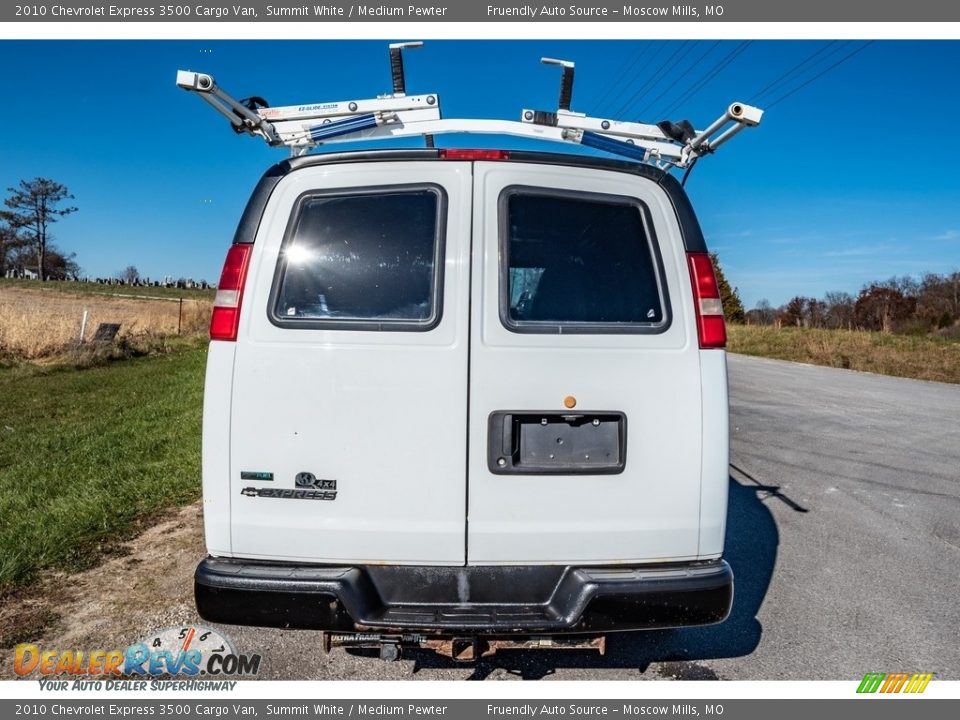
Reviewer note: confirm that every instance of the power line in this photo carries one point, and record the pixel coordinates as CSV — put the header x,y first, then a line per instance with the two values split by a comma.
x,y
659,49
782,78
708,76
674,69
648,77
653,79
700,82
819,75
669,88
622,73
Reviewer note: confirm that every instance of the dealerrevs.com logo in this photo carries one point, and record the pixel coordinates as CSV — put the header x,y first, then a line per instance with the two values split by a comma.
x,y
189,651
894,682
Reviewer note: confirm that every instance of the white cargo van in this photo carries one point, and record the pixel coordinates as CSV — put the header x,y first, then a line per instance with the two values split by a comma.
x,y
466,394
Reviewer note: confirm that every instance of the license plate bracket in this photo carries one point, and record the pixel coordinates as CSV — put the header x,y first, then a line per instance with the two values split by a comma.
x,y
554,443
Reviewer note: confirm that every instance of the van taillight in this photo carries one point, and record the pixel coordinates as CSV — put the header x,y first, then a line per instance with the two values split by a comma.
x,y
470,154
226,305
706,301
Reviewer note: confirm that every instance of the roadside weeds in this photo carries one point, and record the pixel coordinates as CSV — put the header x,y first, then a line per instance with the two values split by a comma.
x,y
923,357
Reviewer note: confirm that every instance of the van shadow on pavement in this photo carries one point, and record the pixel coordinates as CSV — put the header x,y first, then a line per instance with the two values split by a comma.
x,y
751,549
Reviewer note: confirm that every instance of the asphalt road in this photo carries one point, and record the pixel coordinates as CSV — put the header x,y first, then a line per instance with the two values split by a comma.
x,y
844,535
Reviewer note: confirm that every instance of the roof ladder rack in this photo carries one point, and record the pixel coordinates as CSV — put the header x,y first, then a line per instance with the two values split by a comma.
x,y
663,144
301,127
304,127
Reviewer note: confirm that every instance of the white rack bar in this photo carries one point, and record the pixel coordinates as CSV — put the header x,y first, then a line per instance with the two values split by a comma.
x,y
298,134
616,128
468,126
345,108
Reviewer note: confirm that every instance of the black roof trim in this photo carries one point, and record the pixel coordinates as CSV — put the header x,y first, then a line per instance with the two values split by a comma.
x,y
693,240
362,156
253,212
246,231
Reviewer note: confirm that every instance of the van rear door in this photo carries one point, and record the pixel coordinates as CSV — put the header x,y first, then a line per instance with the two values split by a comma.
x,y
585,403
349,411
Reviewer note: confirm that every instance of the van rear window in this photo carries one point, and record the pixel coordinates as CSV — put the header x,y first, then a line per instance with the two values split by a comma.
x,y
369,260
578,262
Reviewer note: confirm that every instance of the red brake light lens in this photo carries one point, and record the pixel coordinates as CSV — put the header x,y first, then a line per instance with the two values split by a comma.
x,y
711,328
225,320
460,154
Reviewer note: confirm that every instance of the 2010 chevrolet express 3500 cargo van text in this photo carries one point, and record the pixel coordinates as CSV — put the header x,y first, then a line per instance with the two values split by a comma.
x,y
466,394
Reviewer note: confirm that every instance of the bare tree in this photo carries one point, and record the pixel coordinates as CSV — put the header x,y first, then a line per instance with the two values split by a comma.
x,y
130,274
937,298
763,313
839,312
815,313
33,208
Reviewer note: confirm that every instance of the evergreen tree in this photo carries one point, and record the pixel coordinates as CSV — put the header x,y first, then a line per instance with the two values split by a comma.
x,y
34,206
730,297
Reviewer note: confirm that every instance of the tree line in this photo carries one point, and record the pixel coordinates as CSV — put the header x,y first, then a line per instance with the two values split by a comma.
x,y
26,240
898,305
903,305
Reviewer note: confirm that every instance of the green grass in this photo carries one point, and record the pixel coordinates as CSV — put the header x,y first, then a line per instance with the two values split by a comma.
x,y
87,455
925,357
121,290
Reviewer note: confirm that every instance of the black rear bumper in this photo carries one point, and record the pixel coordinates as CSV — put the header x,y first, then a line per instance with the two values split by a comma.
x,y
482,600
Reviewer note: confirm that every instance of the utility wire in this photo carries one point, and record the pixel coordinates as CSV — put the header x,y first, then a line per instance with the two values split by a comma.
x,y
656,53
819,75
773,84
622,73
700,82
698,85
670,87
673,69
654,79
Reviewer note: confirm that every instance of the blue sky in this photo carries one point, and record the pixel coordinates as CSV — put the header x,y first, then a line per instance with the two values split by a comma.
x,y
851,179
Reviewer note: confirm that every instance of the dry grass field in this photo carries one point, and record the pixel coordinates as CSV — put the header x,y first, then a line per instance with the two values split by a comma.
x,y
925,357
36,324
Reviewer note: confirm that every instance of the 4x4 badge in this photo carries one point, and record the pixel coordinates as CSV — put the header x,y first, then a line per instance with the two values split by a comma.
x,y
309,480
